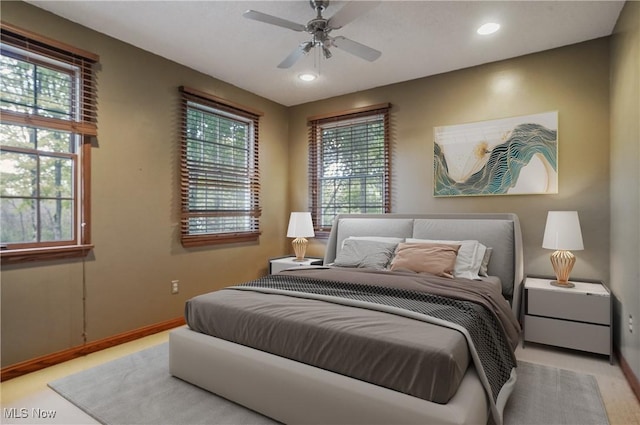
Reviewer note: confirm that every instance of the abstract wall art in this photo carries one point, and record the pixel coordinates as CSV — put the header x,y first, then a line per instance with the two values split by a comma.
x,y
508,156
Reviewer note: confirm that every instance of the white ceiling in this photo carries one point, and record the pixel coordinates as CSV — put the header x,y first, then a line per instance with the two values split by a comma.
x,y
417,38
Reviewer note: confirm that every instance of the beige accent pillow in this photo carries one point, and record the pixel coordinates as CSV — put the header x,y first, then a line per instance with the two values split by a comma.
x,y
469,258
434,258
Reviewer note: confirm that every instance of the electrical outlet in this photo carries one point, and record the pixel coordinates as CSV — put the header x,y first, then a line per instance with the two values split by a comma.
x,y
175,286
630,324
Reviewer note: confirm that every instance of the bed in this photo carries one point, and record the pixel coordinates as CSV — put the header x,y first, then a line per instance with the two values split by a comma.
x,y
353,342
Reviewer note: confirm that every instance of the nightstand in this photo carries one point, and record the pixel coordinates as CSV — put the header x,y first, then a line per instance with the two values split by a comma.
x,y
578,318
278,264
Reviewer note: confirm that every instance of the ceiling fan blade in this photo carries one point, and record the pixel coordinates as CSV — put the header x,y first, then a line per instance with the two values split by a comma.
x,y
355,48
295,55
273,20
349,12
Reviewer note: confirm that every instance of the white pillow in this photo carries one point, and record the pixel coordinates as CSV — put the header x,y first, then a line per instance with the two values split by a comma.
x,y
469,257
484,267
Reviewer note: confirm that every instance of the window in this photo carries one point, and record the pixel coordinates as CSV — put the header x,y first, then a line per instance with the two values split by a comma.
x,y
220,181
48,99
349,164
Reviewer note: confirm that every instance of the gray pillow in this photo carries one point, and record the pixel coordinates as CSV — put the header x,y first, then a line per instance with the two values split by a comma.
x,y
365,254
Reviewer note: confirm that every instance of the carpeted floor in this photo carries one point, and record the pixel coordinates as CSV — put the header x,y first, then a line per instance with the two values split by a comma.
x,y
137,389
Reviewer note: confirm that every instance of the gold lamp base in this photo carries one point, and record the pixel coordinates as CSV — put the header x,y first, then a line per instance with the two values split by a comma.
x,y
299,247
562,285
562,262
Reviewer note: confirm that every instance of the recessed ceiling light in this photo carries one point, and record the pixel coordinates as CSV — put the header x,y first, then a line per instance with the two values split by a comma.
x,y
488,28
307,76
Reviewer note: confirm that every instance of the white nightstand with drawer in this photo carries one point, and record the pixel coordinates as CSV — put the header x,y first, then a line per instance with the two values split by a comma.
x,y
578,318
278,264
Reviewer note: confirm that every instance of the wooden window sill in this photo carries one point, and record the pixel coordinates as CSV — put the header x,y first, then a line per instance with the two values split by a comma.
x,y
16,256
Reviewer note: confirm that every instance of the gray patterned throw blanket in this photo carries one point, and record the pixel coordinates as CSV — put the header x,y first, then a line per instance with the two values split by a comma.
x,y
490,346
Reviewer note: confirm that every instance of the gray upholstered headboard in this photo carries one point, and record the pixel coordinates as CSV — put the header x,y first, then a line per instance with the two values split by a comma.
x,y
499,231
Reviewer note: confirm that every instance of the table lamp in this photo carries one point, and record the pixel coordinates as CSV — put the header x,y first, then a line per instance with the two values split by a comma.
x,y
562,233
300,227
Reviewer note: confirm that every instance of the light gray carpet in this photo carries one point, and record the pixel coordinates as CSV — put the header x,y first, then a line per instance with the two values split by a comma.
x,y
137,389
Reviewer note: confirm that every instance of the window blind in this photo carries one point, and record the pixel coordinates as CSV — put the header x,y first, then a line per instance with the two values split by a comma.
x,y
78,113
220,187
349,164
49,116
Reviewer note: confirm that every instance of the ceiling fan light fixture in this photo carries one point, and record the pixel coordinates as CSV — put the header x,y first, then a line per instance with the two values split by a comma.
x,y
307,47
326,52
488,28
307,76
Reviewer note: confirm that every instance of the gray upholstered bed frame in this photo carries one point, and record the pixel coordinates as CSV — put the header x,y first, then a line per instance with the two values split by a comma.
x,y
292,392
501,232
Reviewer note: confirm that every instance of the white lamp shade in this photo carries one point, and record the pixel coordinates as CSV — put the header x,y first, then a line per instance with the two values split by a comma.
x,y
562,231
300,225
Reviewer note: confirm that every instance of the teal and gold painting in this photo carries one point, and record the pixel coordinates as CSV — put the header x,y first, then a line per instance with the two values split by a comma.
x,y
508,156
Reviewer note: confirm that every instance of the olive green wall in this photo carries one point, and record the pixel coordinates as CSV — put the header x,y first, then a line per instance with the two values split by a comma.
x,y
135,206
572,80
625,181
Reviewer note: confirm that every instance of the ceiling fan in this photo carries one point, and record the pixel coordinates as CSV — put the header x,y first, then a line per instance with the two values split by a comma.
x,y
320,27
